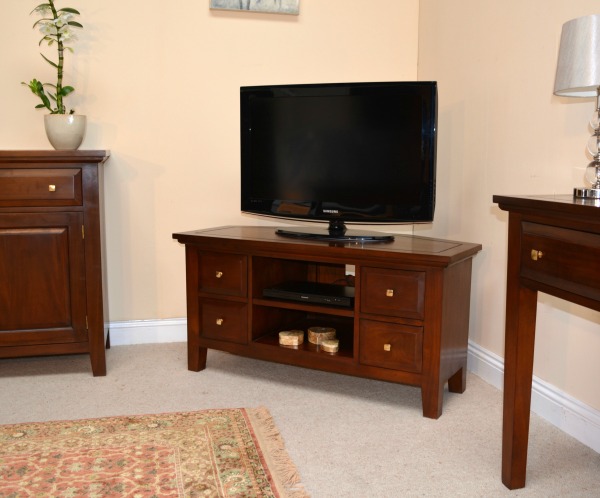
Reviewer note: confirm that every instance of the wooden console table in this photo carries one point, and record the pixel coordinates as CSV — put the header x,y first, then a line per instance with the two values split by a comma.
x,y
409,321
52,295
553,247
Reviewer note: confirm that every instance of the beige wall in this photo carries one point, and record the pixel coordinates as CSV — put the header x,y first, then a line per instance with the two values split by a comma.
x,y
160,84
501,131
160,87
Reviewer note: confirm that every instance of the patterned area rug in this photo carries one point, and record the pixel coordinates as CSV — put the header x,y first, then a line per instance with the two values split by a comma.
x,y
210,453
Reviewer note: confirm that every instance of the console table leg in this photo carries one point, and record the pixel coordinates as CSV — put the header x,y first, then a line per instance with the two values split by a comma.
x,y
518,375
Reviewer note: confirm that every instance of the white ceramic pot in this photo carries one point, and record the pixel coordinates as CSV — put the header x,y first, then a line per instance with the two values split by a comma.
x,y
65,131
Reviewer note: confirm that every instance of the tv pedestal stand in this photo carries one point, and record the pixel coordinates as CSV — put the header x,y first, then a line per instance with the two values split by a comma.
x,y
409,322
335,232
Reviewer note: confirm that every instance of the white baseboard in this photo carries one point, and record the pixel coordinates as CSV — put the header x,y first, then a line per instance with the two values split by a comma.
x,y
148,331
565,412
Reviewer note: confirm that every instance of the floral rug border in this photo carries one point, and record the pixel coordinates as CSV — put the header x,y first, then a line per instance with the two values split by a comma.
x,y
216,452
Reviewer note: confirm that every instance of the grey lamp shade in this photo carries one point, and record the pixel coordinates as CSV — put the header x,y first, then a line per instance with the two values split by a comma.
x,y
578,68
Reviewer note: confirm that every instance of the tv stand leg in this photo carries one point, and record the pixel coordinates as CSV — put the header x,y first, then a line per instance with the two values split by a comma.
x,y
458,382
432,397
196,358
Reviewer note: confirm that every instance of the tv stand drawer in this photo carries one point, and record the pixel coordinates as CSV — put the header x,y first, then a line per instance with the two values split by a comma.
x,y
223,320
393,292
391,345
223,274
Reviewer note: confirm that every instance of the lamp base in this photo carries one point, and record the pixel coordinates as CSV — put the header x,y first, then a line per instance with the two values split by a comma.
x,y
586,193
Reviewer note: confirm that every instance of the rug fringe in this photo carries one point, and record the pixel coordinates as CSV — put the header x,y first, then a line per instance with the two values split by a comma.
x,y
284,472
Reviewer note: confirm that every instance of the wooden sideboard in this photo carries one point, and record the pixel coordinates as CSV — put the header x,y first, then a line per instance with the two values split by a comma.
x,y
409,321
52,296
553,247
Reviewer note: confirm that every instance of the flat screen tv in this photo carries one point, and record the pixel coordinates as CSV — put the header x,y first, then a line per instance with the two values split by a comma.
x,y
339,153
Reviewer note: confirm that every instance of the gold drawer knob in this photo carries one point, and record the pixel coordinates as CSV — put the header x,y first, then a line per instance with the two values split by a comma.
x,y
387,347
219,321
219,274
535,254
389,293
51,188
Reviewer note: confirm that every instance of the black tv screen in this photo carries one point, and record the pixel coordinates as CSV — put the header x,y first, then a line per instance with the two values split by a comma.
x,y
340,152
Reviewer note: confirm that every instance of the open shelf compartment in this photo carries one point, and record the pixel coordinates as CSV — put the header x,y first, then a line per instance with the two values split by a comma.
x,y
274,320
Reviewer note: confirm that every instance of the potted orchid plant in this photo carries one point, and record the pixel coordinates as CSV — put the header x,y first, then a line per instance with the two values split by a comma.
x,y
64,128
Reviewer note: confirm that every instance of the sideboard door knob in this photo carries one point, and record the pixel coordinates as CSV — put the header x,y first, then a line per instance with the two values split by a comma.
x,y
219,274
51,188
535,254
389,293
219,321
387,347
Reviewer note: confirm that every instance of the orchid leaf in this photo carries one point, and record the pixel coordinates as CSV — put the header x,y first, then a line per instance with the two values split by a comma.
x,y
41,20
49,61
45,100
75,23
70,10
66,90
39,6
46,39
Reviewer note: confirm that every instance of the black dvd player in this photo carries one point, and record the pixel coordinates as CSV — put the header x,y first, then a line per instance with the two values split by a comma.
x,y
313,292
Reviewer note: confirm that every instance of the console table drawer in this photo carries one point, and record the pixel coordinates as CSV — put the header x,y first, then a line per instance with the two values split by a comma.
x,y
391,345
393,292
40,187
224,274
562,258
226,321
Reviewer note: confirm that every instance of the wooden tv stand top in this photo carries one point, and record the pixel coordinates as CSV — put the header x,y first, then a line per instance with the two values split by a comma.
x,y
409,321
405,248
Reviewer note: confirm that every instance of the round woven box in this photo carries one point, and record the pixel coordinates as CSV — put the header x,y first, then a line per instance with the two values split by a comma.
x,y
291,337
316,335
330,345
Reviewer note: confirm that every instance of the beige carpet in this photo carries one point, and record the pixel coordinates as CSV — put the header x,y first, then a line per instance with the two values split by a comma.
x,y
349,437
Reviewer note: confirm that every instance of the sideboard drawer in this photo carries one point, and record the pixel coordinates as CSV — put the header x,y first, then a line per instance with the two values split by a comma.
x,y
223,274
391,345
224,320
393,292
40,187
563,258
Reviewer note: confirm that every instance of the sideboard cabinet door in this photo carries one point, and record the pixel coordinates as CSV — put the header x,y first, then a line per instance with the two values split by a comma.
x,y
42,278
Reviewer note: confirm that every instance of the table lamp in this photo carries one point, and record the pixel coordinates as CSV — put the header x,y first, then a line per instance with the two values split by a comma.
x,y
578,75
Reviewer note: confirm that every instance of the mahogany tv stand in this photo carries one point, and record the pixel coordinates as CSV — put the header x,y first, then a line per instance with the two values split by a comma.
x,y
409,321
